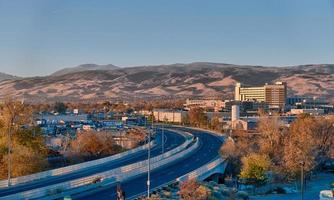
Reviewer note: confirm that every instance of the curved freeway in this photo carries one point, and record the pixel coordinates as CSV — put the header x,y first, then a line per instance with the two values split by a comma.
x,y
208,150
172,140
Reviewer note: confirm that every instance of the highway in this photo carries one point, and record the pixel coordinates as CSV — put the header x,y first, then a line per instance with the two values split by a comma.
x,y
172,140
208,150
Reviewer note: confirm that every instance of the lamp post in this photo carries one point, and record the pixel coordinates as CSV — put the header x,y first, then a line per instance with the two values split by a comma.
x,y
149,161
163,135
12,120
145,122
9,156
302,164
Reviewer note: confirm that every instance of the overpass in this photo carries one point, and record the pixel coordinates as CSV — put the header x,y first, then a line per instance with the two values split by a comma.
x,y
202,163
198,160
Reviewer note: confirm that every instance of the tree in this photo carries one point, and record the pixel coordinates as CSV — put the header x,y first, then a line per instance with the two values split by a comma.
x,y
197,117
136,134
60,107
120,107
235,148
215,124
22,148
228,149
231,153
300,145
254,168
323,133
25,160
94,145
271,137
311,141
192,190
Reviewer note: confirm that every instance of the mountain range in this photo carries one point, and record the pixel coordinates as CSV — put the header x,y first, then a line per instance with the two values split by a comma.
x,y
4,76
91,82
84,67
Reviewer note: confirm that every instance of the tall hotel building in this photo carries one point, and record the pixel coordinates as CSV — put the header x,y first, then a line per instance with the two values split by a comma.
x,y
274,95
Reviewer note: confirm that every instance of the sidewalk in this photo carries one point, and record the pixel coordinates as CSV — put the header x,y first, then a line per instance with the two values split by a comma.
x,y
322,182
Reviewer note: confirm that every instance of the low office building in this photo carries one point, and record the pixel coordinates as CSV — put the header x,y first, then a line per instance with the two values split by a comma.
x,y
55,119
307,111
144,112
172,116
244,124
238,123
298,102
215,105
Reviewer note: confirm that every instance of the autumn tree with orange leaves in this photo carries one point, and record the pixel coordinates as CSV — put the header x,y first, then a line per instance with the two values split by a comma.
x,y
192,190
90,144
19,137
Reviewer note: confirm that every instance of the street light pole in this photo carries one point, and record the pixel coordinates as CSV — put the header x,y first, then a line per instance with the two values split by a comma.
x,y
163,136
149,162
9,157
145,122
302,180
12,120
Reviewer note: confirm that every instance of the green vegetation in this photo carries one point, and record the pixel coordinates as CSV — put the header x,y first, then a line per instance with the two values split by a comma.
x,y
279,149
28,152
254,168
60,107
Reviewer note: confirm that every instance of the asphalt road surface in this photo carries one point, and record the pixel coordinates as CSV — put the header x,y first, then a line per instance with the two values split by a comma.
x,y
208,150
172,140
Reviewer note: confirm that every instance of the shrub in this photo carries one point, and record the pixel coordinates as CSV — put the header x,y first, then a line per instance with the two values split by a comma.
x,y
254,168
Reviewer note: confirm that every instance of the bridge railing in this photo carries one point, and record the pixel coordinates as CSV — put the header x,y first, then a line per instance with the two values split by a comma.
x,y
199,174
203,172
80,166
114,175
70,168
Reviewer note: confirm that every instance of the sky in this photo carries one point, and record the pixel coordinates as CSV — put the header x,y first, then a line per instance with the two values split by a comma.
x,y
38,37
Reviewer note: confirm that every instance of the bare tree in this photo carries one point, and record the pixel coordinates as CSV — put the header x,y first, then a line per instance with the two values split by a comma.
x,y
197,117
271,137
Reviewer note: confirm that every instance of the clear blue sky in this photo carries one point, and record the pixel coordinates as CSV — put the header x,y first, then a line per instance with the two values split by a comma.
x,y
38,37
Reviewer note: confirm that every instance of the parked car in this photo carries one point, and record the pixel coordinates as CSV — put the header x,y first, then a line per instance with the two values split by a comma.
x,y
326,195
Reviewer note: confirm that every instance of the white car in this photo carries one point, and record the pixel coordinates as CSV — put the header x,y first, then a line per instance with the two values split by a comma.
x,y
326,195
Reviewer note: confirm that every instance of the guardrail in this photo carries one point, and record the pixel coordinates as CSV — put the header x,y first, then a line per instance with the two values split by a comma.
x,y
204,171
220,136
71,168
80,166
111,176
199,174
